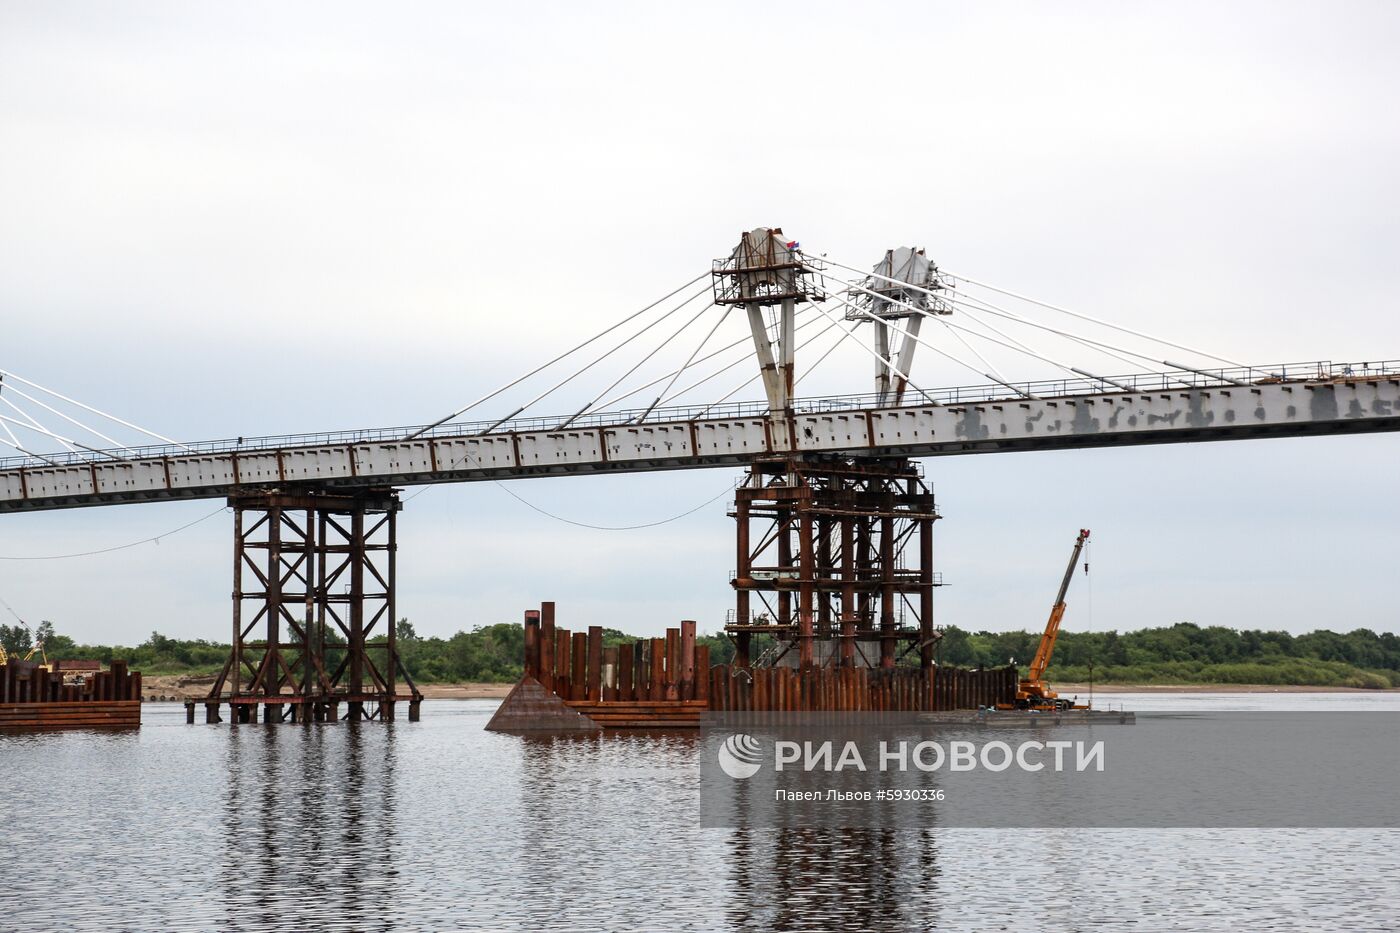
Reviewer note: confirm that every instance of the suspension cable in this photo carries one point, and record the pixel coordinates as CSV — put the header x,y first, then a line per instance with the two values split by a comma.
x,y
119,547
569,521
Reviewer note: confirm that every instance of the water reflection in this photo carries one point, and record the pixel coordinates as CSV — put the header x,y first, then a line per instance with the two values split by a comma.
x,y
813,879
439,825
310,837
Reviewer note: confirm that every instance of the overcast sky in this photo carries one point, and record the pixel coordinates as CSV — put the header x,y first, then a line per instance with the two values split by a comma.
x,y
250,219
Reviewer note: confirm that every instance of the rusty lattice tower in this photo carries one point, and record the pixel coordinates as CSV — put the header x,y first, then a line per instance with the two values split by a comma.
x,y
835,559
313,608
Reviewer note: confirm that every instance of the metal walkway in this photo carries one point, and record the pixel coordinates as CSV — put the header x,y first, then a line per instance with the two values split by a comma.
x,y
1317,398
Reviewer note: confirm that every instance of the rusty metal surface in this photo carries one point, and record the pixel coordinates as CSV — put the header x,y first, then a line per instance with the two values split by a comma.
x,y
529,707
852,542
666,683
314,625
35,698
855,689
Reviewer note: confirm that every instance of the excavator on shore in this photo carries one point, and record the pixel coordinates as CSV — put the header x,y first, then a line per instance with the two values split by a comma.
x,y
38,646
1034,692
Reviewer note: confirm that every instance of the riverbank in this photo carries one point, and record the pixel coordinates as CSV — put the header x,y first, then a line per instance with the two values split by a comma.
x,y
185,687
1067,689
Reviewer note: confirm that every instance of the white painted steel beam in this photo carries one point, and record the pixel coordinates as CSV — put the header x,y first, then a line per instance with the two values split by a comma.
x,y
1229,412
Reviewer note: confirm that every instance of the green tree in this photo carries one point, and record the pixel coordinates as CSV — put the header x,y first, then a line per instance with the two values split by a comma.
x,y
16,639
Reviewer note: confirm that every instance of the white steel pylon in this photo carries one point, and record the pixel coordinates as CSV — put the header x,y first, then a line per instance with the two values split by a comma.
x,y
904,284
766,269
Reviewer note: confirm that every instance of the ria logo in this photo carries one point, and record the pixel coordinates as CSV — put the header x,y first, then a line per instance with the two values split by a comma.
x,y
740,756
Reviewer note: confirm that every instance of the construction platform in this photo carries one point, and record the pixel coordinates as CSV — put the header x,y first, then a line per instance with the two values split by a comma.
x,y
34,698
574,682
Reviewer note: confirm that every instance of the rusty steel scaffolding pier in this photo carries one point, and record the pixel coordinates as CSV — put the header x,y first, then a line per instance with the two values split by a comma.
x,y
314,621
834,558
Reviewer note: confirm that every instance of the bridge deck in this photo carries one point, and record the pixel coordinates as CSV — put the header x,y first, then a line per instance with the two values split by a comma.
x,y
1325,400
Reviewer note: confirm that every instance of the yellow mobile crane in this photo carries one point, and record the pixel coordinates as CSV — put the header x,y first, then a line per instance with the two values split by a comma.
x,y
1034,693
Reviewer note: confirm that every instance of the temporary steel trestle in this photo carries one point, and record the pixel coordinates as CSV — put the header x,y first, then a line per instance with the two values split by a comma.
x,y
313,609
852,540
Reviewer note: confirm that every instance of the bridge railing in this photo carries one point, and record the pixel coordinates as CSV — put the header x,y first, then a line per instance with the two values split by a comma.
x,y
1311,371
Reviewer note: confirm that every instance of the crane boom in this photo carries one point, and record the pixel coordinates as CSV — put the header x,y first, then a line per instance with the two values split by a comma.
x,y
1057,612
1033,692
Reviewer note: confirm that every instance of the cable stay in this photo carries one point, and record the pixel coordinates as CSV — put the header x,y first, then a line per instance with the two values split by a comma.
x,y
1086,317
585,368
686,365
1020,347
772,279
636,366
744,357
924,343
987,307
884,362
757,376
23,396
1057,308
543,366
1150,362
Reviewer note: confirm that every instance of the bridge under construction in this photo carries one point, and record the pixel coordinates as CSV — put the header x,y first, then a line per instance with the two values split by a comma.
x,y
834,524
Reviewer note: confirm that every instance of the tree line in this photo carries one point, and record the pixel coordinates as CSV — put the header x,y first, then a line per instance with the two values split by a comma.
x,y
1189,653
1181,653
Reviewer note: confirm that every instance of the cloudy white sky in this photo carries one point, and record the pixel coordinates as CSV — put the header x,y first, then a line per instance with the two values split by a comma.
x,y
244,219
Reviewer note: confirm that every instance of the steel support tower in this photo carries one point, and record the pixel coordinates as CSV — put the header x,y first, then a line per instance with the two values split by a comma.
x,y
314,621
835,559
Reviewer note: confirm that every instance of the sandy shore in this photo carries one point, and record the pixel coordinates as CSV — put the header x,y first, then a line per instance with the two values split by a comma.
x,y
466,691
1064,689
195,688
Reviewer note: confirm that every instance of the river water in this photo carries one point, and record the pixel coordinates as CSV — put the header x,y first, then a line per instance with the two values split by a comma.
x,y
439,825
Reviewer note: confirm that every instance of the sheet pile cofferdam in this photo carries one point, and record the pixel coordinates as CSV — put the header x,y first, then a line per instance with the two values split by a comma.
x,y
41,697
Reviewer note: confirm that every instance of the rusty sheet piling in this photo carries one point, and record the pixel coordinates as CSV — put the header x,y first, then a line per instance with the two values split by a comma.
x,y
667,683
857,689
34,698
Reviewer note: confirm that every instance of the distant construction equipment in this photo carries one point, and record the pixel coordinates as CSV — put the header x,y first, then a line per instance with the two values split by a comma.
x,y
1033,692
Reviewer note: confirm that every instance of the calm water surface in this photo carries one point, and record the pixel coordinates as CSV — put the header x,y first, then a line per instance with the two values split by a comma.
x,y
441,826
